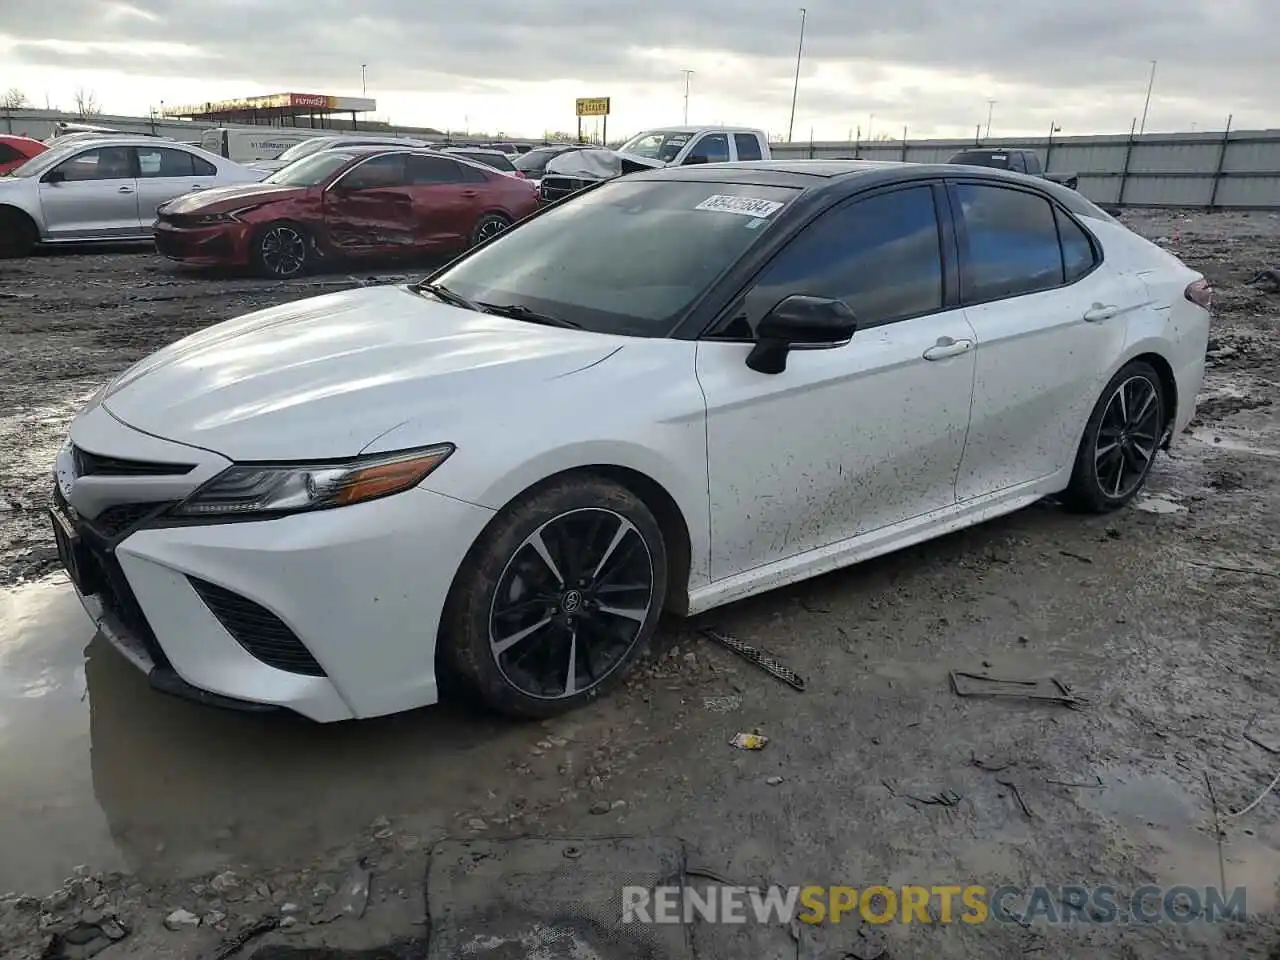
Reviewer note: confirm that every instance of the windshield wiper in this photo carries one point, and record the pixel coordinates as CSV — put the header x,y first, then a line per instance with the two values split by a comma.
x,y
441,292
517,312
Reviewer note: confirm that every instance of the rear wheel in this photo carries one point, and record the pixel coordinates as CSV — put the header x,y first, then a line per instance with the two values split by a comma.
x,y
557,599
1120,441
281,250
18,235
490,225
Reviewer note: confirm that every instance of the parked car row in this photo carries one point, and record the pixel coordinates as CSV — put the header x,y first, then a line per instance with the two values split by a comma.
x,y
338,197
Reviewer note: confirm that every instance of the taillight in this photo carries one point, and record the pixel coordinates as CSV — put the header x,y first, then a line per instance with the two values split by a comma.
x,y
1200,293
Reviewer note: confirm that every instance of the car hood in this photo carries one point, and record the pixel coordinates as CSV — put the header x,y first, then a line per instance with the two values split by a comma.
x,y
218,199
324,377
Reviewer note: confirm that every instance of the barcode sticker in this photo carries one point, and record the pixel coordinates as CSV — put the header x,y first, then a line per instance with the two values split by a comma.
x,y
744,206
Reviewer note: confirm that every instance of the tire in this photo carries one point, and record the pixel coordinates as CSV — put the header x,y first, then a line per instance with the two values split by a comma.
x,y
1096,486
18,235
488,227
513,620
281,250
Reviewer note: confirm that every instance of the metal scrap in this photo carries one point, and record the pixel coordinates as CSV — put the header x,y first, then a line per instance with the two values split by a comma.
x,y
351,898
760,658
1046,689
1017,795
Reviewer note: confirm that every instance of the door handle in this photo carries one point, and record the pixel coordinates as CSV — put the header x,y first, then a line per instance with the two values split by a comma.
x,y
947,347
1099,312
125,190
196,188
469,193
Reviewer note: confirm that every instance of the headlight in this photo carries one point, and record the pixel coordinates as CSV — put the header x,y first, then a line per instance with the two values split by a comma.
x,y
294,488
209,219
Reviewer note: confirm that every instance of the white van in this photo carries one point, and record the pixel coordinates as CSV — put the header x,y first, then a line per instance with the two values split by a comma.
x,y
244,144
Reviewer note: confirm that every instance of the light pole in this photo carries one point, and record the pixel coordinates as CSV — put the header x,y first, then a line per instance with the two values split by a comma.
x,y
991,105
687,75
364,89
1151,82
870,118
795,90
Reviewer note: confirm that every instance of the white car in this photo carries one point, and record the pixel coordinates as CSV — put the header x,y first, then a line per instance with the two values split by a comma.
x,y
676,390
103,188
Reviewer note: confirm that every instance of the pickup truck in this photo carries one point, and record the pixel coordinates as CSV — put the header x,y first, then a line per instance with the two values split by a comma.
x,y
665,147
1019,161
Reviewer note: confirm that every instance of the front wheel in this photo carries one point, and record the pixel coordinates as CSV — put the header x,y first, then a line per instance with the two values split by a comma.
x,y
18,235
557,599
489,226
280,250
1120,441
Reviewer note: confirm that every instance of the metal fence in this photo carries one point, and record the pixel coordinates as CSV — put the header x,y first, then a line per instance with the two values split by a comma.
x,y
1237,169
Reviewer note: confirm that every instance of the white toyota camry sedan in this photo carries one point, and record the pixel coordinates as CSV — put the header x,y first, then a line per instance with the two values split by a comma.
x,y
672,391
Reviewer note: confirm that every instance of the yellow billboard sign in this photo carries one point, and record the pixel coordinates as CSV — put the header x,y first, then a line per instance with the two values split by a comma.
x,y
593,106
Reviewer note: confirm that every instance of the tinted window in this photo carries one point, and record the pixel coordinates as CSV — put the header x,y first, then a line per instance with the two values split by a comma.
x,y
748,146
385,171
1078,255
713,148
164,162
495,160
1013,243
982,158
535,162
105,163
426,170
627,257
879,255
8,153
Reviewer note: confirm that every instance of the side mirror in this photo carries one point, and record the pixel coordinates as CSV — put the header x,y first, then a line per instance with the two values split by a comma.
x,y
812,323
55,176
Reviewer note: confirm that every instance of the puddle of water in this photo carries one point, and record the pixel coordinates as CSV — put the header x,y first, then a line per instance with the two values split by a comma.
x,y
1233,441
99,769
1158,810
1157,503
49,822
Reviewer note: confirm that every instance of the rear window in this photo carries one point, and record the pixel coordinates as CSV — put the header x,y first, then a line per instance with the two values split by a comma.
x,y
495,160
982,158
535,161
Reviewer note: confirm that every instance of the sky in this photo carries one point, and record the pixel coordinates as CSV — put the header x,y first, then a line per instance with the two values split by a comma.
x,y
516,66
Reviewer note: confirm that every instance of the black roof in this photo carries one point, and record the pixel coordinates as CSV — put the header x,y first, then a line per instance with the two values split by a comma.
x,y
847,176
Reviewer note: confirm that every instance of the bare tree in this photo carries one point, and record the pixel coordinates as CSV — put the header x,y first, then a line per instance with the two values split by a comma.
x,y
14,99
87,103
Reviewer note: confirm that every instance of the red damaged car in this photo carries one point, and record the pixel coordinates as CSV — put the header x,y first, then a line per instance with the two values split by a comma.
x,y
15,151
341,204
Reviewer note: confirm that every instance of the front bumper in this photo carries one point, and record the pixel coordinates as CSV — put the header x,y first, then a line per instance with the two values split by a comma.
x,y
331,614
217,245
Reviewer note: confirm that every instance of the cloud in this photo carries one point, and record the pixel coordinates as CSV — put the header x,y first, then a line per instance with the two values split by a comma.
x,y
923,63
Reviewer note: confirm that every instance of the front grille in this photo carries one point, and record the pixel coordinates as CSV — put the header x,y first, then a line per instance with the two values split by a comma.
x,y
258,630
97,465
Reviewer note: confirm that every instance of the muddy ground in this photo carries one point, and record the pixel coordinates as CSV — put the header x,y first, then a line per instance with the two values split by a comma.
x,y
1163,616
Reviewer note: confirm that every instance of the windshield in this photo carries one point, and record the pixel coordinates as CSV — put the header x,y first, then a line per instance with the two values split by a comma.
x,y
43,161
535,161
626,258
982,158
662,145
313,170
303,149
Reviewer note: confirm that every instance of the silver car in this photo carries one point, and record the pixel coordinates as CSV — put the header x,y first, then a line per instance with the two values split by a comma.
x,y
107,188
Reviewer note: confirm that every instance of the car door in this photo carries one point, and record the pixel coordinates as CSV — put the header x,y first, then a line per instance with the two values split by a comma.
x,y
168,172
370,209
708,148
1049,318
92,195
448,198
848,440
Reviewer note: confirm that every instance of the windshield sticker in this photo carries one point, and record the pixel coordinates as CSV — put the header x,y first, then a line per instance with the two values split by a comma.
x,y
744,206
